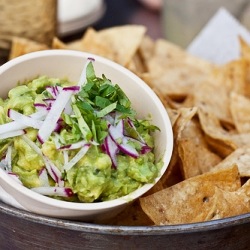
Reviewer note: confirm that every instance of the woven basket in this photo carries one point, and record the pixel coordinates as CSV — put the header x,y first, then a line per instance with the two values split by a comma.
x,y
33,19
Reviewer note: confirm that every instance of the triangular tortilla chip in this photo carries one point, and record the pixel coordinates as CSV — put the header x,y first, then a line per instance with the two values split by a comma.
x,y
194,153
21,46
119,43
190,200
240,109
241,157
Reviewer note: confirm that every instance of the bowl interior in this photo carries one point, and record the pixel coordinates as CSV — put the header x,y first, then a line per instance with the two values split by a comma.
x,y
69,64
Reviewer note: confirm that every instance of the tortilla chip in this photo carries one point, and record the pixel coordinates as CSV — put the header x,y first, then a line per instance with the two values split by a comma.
x,y
240,109
233,76
227,204
175,79
133,215
146,50
91,43
215,98
194,153
190,200
166,51
244,49
58,44
21,46
117,43
185,116
136,64
241,157
225,142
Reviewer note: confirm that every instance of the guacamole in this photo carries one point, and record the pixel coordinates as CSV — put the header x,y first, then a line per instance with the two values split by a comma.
x,y
75,142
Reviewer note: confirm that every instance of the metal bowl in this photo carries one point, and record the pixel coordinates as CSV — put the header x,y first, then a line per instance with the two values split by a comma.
x,y
24,230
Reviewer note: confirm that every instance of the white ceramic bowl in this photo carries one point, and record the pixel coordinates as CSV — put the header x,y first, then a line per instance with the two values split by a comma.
x,y
63,63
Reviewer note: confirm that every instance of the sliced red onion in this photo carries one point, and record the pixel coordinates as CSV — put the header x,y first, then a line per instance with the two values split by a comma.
x,y
144,147
112,150
116,133
24,120
77,157
126,148
11,134
54,114
51,191
131,124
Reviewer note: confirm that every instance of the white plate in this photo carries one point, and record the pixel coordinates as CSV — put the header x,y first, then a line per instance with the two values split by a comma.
x,y
78,14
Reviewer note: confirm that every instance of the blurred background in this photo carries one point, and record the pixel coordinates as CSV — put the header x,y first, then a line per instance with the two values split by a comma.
x,y
177,21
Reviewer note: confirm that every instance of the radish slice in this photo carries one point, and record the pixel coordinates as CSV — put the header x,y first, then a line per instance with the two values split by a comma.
x,y
43,177
77,157
50,191
83,79
76,145
12,134
23,119
54,90
17,125
8,158
54,114
53,171
65,157
32,145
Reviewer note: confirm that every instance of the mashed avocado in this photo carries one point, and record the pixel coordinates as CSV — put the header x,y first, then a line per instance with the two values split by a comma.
x,y
96,148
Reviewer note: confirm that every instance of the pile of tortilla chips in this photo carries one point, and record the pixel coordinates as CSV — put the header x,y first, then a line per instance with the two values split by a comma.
x,y
209,107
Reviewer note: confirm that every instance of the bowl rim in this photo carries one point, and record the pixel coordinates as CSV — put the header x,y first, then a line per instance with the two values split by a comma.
x,y
104,204
96,228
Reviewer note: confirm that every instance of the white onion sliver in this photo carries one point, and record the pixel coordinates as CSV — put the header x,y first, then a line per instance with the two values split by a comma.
x,y
53,115
77,157
12,134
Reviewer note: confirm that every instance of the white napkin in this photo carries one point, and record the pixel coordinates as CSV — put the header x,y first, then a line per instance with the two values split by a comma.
x,y
218,41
